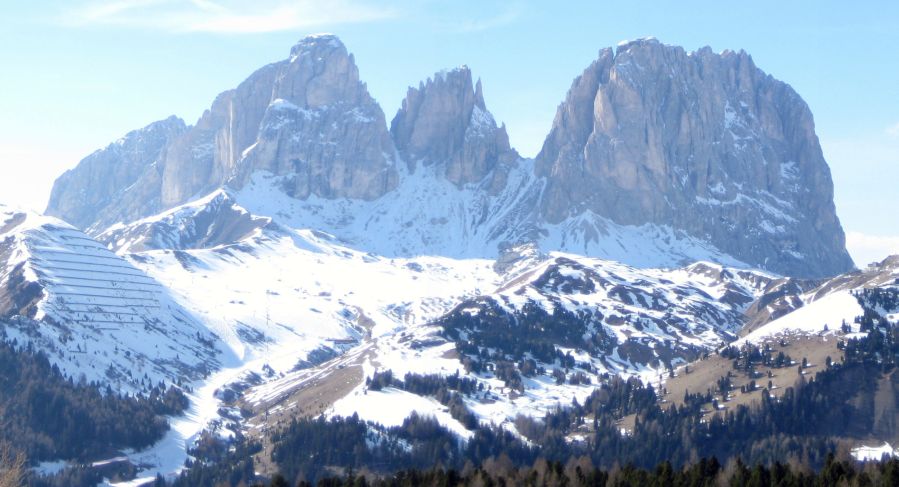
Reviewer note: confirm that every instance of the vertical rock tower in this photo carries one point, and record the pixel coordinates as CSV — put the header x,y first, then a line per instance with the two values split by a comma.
x,y
445,121
702,142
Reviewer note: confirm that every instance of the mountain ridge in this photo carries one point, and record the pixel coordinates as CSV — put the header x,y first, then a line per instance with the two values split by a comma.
x,y
292,256
95,314
310,122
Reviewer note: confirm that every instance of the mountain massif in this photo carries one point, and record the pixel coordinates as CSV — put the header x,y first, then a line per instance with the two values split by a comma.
x,y
697,147
426,292
703,142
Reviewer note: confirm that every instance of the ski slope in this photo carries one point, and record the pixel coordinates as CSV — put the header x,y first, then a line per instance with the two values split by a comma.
x,y
98,317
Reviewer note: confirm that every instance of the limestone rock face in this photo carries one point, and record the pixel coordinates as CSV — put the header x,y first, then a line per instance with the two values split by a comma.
x,y
703,142
322,131
445,121
307,119
101,177
204,158
656,156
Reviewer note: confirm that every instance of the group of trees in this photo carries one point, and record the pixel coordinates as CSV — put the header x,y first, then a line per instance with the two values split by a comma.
x,y
874,301
312,448
52,417
217,461
511,345
448,390
747,357
585,443
581,473
880,345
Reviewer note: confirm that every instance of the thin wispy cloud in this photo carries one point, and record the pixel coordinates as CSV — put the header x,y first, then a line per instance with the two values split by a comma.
x,y
225,16
893,130
506,17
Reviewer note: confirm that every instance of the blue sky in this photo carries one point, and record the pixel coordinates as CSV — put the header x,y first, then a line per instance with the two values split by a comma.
x,y
78,74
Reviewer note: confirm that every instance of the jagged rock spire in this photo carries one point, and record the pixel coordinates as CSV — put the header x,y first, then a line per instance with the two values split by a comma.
x,y
445,121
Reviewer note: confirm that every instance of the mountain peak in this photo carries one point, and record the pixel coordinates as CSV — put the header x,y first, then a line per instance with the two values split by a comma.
x,y
82,195
626,44
461,79
462,71
657,135
319,128
699,144
316,42
445,121
320,71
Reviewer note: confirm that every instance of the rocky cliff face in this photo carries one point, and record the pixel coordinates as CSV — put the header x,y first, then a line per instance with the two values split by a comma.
x,y
101,177
445,121
656,156
322,131
705,143
308,119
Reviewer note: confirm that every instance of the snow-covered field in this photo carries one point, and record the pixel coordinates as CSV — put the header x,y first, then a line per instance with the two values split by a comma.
x,y
866,453
264,300
280,296
825,315
287,295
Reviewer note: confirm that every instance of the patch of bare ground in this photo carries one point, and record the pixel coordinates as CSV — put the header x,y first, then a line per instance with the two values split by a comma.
x,y
703,375
305,394
311,400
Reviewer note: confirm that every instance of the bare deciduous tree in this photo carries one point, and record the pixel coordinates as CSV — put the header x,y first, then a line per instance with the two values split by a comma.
x,y
12,467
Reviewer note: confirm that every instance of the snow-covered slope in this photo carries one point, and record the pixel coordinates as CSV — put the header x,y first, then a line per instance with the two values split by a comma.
x,y
284,294
97,317
277,308
428,215
826,307
425,215
825,314
210,221
276,285
293,306
655,318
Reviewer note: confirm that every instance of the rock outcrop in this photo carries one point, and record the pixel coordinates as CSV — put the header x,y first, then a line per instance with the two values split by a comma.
x,y
210,222
702,142
445,121
657,156
101,178
321,130
308,119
